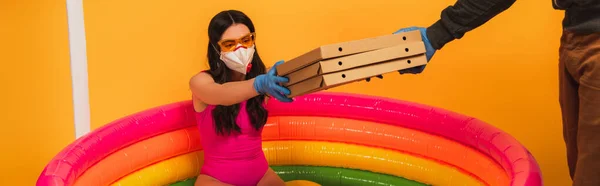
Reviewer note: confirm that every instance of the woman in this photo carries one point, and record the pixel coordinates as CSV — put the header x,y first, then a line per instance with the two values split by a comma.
x,y
229,102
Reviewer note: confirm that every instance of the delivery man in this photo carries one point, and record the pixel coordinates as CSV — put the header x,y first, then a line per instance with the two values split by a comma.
x,y
579,70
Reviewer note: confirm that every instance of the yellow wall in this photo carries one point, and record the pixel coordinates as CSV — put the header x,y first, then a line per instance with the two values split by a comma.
x,y
142,53
37,113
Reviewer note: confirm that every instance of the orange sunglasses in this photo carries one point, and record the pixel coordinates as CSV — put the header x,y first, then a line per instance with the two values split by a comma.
x,y
228,45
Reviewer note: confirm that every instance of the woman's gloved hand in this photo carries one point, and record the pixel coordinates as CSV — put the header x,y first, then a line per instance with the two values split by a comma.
x,y
429,50
270,84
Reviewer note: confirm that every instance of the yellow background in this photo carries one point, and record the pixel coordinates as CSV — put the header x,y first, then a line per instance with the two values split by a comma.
x,y
37,112
142,54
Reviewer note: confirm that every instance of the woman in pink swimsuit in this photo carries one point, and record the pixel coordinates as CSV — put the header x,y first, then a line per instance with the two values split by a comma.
x,y
229,100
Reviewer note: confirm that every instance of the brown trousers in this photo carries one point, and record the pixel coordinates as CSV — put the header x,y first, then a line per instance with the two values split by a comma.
x,y
579,78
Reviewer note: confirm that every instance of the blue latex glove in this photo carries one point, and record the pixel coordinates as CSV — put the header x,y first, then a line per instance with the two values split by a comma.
x,y
269,83
429,50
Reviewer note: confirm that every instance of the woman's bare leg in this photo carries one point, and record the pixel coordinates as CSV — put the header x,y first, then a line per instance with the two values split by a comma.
x,y
271,179
205,180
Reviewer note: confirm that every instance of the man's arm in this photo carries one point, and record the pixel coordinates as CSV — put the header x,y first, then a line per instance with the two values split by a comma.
x,y
464,16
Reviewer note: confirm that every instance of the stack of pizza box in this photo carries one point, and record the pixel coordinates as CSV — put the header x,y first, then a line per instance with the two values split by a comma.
x,y
338,64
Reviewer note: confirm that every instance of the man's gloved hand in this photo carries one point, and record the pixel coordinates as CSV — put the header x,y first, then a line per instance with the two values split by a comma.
x,y
269,83
429,50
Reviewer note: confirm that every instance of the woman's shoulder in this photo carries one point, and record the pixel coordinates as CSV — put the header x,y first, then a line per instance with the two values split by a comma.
x,y
202,75
200,78
196,82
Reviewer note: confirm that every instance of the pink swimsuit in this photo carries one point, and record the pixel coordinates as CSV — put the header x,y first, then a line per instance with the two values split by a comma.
x,y
237,159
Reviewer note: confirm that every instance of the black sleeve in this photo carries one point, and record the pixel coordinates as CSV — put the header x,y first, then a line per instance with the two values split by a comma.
x,y
464,16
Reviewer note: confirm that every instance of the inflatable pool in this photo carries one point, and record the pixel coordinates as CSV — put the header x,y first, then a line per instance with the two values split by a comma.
x,y
327,138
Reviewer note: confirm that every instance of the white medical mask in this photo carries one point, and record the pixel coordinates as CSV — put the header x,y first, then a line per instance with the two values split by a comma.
x,y
239,59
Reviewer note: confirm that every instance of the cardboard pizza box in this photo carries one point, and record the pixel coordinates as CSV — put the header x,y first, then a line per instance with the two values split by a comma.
x,y
346,48
331,80
354,61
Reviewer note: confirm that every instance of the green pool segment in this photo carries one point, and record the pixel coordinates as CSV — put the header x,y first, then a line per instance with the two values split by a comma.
x,y
340,176
332,176
188,182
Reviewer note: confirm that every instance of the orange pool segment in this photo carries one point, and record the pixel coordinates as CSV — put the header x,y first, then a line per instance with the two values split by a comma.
x,y
140,155
435,148
385,136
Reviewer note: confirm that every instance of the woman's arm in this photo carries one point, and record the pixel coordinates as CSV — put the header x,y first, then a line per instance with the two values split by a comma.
x,y
205,89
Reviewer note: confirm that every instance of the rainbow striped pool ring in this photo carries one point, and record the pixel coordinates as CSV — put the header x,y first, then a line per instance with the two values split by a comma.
x,y
328,138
